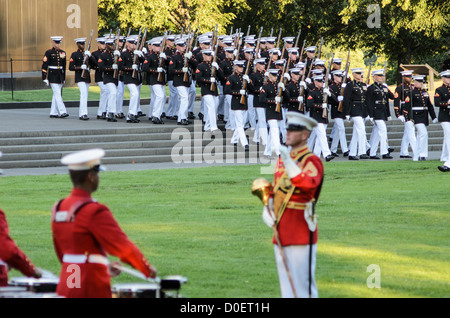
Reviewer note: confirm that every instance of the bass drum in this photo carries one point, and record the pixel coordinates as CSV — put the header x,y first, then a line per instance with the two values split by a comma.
x,y
35,285
133,290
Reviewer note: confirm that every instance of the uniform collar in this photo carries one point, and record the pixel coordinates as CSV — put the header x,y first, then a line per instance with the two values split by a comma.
x,y
299,152
76,192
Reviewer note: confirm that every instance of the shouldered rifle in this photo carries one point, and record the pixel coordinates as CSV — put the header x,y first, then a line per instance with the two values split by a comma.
x,y
186,60
213,71
298,37
238,47
134,73
136,58
301,52
116,58
344,81
161,60
320,49
85,73
368,74
284,79
245,84
304,76
279,38
326,85
248,30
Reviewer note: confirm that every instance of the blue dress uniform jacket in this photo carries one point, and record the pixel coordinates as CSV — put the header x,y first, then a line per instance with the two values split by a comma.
x,y
54,66
420,106
267,98
150,67
233,87
441,98
105,63
75,63
290,96
94,62
355,99
335,89
126,62
402,93
203,76
254,88
378,101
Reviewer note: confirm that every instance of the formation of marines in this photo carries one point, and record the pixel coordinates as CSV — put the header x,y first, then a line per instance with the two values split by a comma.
x,y
249,82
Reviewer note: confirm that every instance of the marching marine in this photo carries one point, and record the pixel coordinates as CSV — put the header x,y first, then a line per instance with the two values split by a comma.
x,y
442,100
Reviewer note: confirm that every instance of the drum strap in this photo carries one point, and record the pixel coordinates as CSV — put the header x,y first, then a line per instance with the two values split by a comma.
x,y
68,216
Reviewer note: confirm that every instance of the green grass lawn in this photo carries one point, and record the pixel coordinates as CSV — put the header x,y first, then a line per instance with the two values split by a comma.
x,y
204,223
68,94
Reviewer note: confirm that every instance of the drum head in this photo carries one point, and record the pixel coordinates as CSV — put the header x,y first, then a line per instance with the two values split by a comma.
x,y
132,290
38,285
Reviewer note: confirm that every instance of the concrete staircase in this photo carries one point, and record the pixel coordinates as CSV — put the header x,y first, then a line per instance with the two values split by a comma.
x,y
143,143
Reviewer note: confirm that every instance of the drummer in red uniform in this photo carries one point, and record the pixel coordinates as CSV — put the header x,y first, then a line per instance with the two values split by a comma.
x,y
85,231
11,256
297,182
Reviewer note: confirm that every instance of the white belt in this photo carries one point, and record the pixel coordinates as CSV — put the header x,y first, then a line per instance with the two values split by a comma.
x,y
81,259
419,108
55,67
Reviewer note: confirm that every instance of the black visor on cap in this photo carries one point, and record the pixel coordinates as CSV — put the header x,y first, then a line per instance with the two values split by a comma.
x,y
292,127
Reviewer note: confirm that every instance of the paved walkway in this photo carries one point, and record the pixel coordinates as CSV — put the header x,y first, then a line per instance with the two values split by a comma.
x,y
37,119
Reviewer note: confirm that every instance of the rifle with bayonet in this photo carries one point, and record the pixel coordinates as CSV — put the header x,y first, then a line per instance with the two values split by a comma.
x,y
216,46
238,47
161,60
326,85
186,61
344,81
134,73
116,57
85,73
279,39
304,76
244,86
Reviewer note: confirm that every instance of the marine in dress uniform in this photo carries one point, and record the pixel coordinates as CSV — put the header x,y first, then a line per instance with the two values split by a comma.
x,y
316,106
256,82
227,67
54,74
153,67
205,79
401,95
120,84
76,64
355,107
268,98
297,185
442,100
11,256
378,95
177,69
173,103
225,42
101,112
85,231
128,64
310,54
107,66
416,113
339,136
233,87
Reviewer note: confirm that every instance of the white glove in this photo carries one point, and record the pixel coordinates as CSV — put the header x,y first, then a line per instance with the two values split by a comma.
x,y
266,74
402,118
213,79
160,69
448,103
268,216
242,92
215,65
324,105
340,98
292,169
343,85
389,118
327,91
134,67
300,99
138,53
163,56
302,83
235,52
116,53
385,85
281,85
87,53
308,80
115,67
435,120
46,82
185,69
278,99
188,55
287,76
246,78
347,117
309,217
84,67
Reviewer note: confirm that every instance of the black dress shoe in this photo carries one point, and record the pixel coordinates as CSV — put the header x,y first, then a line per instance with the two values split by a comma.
x,y
120,116
84,117
391,150
408,156
111,118
246,148
200,116
388,156
184,122
64,115
444,168
346,153
374,157
329,158
157,121
103,115
352,158
334,154
422,159
364,157
141,114
191,115
54,116
163,115
368,152
132,119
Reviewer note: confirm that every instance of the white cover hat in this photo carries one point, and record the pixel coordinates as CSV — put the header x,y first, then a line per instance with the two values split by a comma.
x,y
84,160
